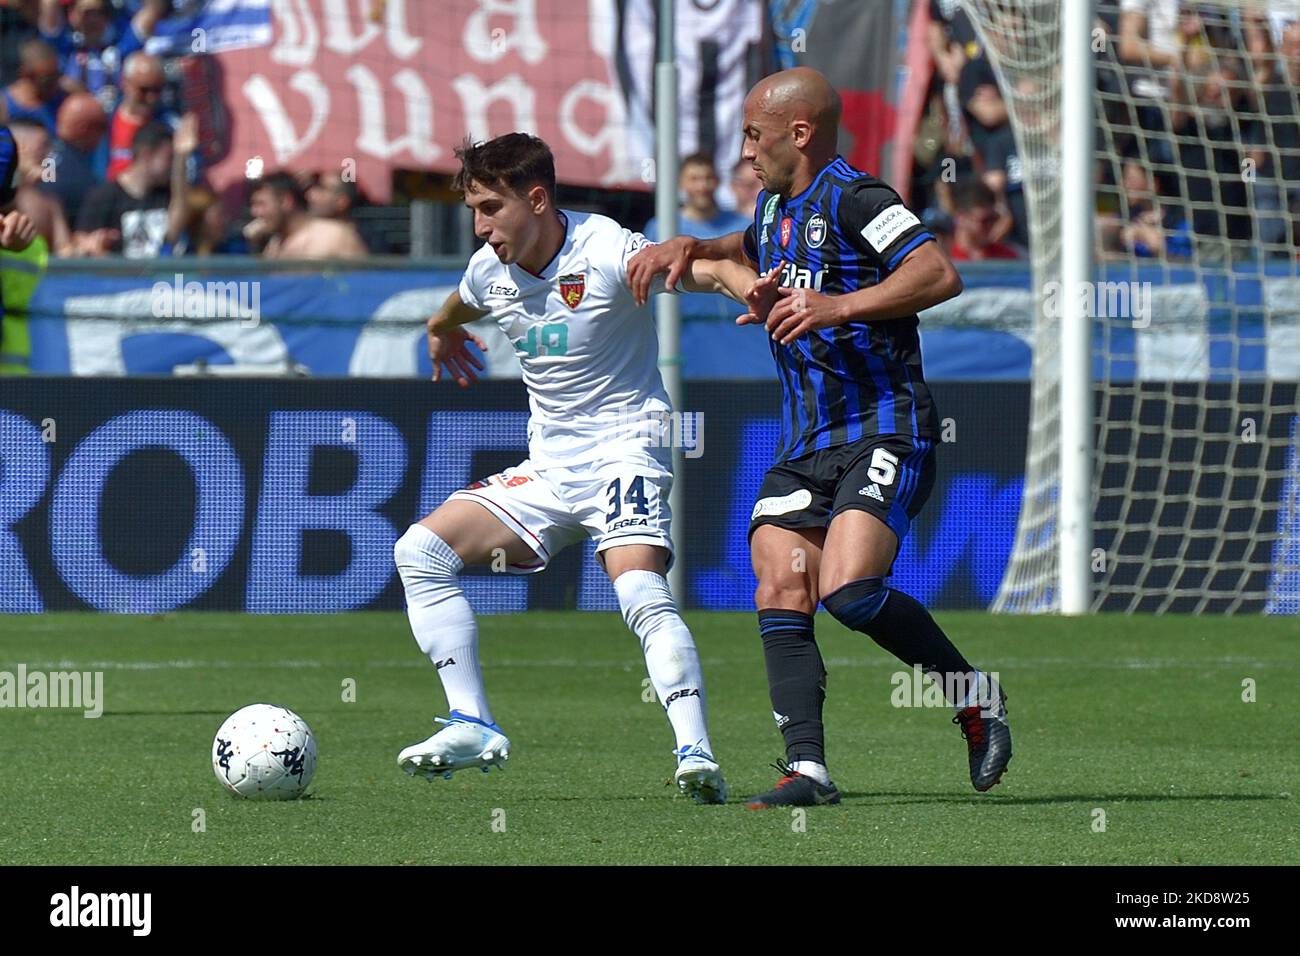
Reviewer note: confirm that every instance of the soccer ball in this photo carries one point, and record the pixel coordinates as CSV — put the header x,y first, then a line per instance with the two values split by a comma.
x,y
264,752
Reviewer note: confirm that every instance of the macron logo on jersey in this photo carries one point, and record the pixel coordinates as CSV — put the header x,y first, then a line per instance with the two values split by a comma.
x,y
888,226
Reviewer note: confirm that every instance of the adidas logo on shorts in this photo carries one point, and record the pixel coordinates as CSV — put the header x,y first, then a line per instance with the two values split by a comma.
x,y
872,491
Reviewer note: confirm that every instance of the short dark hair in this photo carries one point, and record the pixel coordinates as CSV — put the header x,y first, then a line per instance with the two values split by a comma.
x,y
150,136
699,159
974,193
36,50
516,161
281,184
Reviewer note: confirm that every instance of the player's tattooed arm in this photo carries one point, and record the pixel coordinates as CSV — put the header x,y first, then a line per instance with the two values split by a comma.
x,y
924,278
673,257
449,343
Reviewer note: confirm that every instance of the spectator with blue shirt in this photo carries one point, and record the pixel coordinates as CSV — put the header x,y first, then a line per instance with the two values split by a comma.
x,y
79,152
36,93
17,26
93,41
700,216
1144,227
745,187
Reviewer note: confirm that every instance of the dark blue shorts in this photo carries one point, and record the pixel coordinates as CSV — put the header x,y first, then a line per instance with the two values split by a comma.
x,y
889,476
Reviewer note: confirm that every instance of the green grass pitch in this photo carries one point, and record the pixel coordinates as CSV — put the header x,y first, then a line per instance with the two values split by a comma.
x,y
1141,718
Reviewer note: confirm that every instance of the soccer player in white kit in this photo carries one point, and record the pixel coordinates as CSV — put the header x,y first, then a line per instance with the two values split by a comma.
x,y
556,283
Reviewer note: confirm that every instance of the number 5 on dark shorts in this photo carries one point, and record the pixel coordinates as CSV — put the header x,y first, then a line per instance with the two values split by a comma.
x,y
889,476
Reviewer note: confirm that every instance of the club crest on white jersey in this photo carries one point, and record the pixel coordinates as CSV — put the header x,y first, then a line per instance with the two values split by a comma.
x,y
589,354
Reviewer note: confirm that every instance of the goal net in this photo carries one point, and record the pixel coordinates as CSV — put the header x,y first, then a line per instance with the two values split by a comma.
x,y
1195,303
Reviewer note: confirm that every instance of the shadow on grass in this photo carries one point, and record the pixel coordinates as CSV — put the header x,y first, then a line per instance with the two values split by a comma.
x,y
165,713
892,797
78,713
900,797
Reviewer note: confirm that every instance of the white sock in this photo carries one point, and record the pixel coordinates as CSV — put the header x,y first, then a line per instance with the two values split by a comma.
x,y
670,655
972,690
811,768
441,619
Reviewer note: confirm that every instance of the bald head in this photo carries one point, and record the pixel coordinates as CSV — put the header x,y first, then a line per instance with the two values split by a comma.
x,y
800,95
792,121
82,122
142,85
142,67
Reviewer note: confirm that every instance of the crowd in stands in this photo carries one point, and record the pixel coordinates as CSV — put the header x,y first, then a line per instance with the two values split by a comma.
x,y
109,160
701,215
1198,144
110,166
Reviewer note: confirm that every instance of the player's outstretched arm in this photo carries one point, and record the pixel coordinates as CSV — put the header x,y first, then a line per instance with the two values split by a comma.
x,y
449,343
740,282
719,275
674,256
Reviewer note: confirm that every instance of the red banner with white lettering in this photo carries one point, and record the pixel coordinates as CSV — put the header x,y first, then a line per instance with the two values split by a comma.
x,y
373,85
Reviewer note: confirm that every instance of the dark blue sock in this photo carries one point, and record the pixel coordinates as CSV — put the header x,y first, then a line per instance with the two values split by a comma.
x,y
898,623
796,679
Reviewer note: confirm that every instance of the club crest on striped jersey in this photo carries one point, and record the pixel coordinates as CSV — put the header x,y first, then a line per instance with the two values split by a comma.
x,y
815,232
572,288
787,226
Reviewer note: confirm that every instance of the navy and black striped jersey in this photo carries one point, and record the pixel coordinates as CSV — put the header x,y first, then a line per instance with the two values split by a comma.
x,y
845,232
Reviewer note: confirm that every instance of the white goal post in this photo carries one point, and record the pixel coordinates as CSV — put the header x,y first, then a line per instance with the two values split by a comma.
x,y
1161,469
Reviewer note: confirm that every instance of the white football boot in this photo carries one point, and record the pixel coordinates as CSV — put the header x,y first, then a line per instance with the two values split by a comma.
x,y
698,775
463,743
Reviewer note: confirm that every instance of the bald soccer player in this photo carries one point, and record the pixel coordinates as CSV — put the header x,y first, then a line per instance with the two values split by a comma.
x,y
844,267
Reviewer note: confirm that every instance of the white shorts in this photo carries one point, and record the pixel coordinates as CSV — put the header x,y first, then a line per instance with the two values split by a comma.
x,y
618,500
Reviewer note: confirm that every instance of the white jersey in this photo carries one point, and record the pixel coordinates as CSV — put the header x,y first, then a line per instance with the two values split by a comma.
x,y
589,353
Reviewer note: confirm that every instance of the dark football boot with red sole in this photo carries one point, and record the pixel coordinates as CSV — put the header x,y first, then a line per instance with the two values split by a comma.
x,y
794,790
988,742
